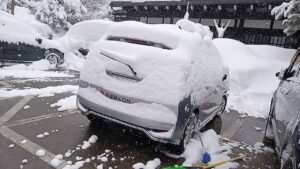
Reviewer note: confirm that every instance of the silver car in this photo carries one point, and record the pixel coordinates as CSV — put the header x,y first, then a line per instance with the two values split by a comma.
x,y
159,79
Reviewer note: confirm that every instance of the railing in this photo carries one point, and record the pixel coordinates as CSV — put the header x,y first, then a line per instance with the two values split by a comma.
x,y
262,36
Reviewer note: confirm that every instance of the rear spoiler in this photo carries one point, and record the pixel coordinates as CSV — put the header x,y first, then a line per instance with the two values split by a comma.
x,y
118,57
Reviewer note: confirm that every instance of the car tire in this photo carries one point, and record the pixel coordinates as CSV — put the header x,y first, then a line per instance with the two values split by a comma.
x,y
187,136
52,58
222,105
288,159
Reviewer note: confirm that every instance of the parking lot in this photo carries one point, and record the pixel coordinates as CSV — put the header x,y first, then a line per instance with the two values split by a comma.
x,y
123,147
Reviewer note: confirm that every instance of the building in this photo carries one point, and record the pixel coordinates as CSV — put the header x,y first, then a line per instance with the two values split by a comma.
x,y
250,20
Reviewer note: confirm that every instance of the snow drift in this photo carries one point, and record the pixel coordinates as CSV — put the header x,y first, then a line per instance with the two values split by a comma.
x,y
252,74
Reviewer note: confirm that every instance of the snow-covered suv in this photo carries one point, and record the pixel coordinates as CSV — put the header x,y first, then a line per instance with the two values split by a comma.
x,y
160,79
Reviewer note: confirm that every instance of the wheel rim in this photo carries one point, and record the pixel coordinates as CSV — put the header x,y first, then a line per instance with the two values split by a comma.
x,y
190,128
53,60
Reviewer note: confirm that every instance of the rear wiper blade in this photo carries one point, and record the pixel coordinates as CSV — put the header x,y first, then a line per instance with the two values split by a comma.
x,y
106,55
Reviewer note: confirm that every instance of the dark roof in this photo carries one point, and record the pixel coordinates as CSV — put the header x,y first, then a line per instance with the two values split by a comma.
x,y
194,2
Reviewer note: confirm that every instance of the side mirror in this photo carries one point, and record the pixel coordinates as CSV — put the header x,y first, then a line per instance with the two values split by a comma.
x,y
39,40
281,75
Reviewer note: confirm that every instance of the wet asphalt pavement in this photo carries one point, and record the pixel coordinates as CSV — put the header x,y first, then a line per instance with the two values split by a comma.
x,y
122,146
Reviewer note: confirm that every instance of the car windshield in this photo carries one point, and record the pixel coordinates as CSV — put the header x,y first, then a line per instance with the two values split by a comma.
x,y
138,41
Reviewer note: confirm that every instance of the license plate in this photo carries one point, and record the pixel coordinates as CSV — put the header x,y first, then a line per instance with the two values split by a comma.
x,y
116,97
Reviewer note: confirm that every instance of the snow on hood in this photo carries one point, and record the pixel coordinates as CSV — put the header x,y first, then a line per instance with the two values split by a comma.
x,y
252,74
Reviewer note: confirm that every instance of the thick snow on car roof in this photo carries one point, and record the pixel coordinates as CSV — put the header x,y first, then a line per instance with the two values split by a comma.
x,y
167,70
89,30
84,34
169,35
13,30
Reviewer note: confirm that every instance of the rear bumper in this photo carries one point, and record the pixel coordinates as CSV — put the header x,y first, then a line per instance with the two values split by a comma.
x,y
157,128
154,130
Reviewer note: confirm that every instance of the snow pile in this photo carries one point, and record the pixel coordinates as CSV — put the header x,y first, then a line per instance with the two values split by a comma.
x,y
34,70
38,91
153,164
252,74
66,103
37,65
194,150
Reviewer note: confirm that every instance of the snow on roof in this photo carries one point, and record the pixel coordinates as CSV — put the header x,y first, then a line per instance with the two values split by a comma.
x,y
13,30
152,63
169,35
23,14
85,33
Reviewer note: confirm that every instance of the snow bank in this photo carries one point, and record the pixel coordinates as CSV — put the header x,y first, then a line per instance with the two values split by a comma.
x,y
38,91
34,70
252,74
194,150
66,103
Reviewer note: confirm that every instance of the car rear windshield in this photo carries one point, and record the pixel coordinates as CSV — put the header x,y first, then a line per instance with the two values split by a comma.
x,y
138,41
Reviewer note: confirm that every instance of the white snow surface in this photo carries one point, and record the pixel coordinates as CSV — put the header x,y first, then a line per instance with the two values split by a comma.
x,y
152,164
187,67
40,153
34,70
38,91
67,103
194,151
252,74
84,34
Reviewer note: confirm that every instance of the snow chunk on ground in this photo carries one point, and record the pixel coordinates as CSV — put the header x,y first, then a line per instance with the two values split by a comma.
x,y
257,128
38,91
252,74
55,162
66,103
194,151
26,107
25,161
23,141
153,164
40,152
93,140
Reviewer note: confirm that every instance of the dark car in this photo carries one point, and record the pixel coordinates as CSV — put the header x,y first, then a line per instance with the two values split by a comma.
x,y
20,43
283,127
11,53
